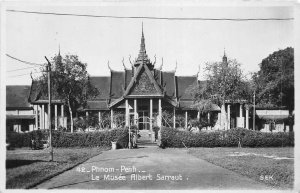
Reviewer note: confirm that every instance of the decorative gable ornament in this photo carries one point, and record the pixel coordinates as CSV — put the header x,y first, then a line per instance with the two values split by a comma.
x,y
143,86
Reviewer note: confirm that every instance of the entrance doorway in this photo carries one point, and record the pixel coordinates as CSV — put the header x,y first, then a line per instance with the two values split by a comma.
x,y
144,120
144,127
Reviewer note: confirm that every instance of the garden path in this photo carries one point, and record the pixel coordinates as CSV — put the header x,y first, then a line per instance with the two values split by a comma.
x,y
157,168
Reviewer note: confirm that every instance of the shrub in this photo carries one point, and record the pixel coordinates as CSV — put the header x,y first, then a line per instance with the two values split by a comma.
x,y
123,139
64,139
155,130
203,122
91,139
25,139
134,128
15,139
179,138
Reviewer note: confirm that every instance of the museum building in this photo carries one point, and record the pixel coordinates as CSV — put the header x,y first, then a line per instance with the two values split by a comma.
x,y
141,94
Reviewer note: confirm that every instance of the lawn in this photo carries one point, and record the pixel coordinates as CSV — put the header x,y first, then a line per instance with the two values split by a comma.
x,y
272,166
26,168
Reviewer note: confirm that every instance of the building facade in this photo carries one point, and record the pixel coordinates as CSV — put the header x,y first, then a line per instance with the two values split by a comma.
x,y
140,93
19,112
143,92
137,96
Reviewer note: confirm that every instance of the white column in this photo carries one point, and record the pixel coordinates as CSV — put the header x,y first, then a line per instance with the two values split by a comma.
x,y
126,113
86,114
62,115
208,119
99,118
174,117
228,114
159,113
40,115
36,117
151,113
198,117
31,127
186,119
46,117
220,122
55,116
135,112
241,110
111,118
247,118
43,117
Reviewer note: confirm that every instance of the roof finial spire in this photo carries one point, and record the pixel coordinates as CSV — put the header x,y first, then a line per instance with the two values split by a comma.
x,y
59,58
175,67
162,63
154,60
143,47
108,65
142,29
224,57
198,71
124,64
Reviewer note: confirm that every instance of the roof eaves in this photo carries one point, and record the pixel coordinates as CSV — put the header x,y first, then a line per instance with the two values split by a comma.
x,y
115,102
132,80
172,102
152,79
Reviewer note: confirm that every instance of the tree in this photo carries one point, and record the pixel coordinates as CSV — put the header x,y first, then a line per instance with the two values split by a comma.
x,y
119,119
274,82
70,83
105,120
167,118
225,82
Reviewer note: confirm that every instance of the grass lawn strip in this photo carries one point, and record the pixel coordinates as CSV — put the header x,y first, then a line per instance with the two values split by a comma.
x,y
256,163
26,170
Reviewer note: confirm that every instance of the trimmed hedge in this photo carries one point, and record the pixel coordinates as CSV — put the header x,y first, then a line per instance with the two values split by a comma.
x,y
65,139
230,138
24,139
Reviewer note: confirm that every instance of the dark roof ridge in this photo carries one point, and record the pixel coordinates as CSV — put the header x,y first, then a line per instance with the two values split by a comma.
x,y
188,76
117,70
18,85
170,71
98,76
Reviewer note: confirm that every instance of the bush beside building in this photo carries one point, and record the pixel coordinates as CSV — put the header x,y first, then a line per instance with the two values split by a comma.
x,y
230,138
65,139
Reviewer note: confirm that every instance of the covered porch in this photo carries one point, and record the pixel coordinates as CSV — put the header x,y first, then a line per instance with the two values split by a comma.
x,y
58,115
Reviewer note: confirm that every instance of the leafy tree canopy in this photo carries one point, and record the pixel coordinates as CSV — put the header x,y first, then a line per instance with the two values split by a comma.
x,y
69,82
274,82
225,82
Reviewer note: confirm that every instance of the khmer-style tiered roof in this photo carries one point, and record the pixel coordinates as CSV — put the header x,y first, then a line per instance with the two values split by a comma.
x,y
16,97
144,80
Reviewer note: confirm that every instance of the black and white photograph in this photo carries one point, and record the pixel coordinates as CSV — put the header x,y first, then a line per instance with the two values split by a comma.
x,y
148,95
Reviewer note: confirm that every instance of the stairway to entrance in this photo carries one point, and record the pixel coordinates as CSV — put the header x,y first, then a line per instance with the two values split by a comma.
x,y
145,138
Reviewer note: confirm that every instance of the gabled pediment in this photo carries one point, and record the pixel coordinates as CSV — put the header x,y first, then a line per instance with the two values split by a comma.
x,y
143,84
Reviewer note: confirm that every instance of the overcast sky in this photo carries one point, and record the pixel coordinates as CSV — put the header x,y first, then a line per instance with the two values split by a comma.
x,y
30,37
